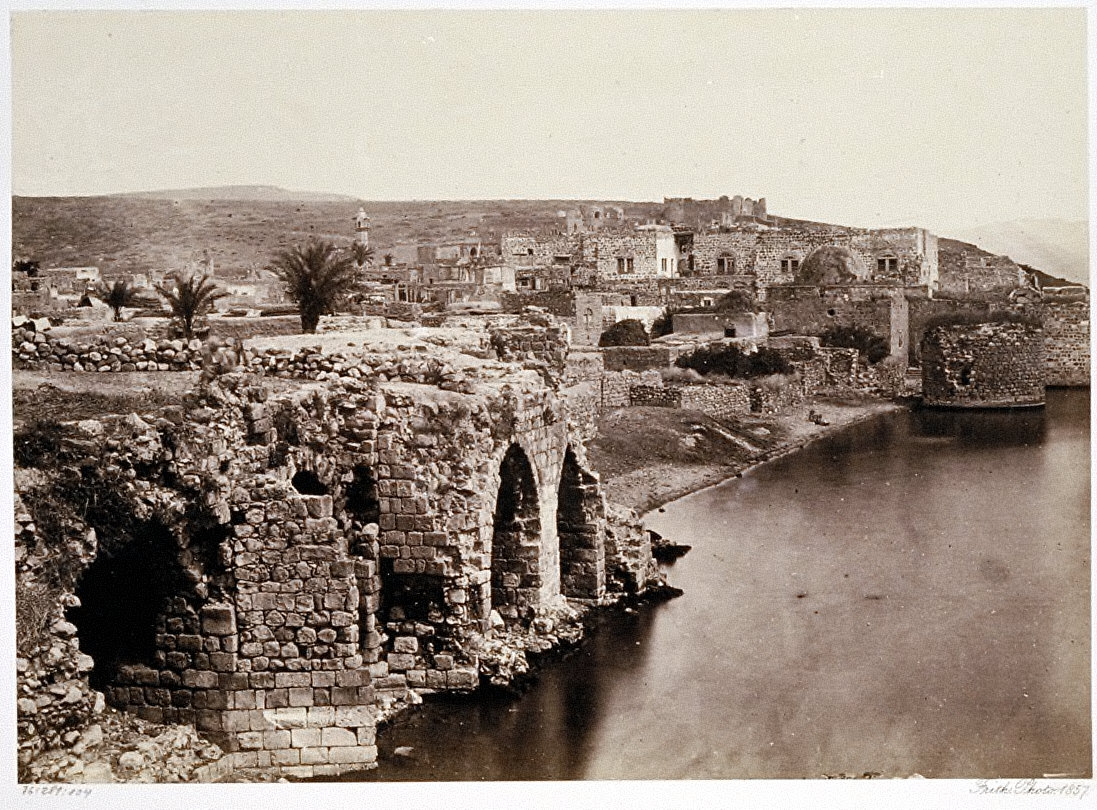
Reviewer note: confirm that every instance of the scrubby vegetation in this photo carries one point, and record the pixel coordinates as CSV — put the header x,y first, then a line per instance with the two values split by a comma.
x,y
630,332
731,361
871,346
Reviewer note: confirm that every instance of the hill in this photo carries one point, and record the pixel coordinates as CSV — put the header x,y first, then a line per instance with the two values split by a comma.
x,y
264,193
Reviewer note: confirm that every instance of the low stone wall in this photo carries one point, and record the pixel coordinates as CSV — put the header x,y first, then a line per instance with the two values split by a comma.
x,y
773,394
989,365
719,401
47,350
638,358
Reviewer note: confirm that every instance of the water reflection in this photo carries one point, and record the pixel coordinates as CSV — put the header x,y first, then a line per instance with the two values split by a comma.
x,y
999,427
545,734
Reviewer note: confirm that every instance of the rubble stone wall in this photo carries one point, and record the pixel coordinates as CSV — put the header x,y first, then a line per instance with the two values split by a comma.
x,y
983,366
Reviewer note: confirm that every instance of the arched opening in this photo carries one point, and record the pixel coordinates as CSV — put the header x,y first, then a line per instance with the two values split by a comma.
x,y
307,483
125,598
515,545
579,526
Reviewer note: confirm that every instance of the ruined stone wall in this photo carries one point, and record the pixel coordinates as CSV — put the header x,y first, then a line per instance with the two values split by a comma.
x,y
103,352
979,274
522,250
983,366
584,366
719,401
1066,342
638,358
341,543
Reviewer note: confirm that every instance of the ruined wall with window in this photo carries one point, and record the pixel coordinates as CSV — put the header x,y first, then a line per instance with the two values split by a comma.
x,y
899,256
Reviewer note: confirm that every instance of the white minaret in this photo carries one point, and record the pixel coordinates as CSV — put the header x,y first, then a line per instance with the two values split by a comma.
x,y
361,228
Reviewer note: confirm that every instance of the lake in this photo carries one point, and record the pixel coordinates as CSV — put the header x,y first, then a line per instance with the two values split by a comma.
x,y
910,595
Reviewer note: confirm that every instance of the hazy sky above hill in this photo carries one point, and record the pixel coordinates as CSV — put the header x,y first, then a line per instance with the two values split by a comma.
x,y
941,118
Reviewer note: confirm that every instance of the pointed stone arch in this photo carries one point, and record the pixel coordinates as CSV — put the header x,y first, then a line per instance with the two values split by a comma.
x,y
580,527
516,539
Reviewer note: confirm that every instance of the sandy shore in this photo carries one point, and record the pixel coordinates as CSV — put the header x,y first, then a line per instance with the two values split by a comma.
x,y
650,486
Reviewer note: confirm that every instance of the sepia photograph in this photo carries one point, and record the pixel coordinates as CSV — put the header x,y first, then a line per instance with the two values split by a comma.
x,y
417,402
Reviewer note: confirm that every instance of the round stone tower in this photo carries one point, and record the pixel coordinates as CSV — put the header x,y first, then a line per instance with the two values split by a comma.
x,y
986,365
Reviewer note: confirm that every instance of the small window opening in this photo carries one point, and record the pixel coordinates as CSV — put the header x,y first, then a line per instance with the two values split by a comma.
x,y
411,597
362,502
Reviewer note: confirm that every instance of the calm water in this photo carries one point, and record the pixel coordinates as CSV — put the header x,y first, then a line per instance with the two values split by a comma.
x,y
910,596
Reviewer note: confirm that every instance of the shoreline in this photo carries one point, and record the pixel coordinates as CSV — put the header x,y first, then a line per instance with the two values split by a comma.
x,y
650,487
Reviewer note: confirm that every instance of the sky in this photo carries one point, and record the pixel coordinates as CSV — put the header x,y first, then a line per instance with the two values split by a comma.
x,y
946,119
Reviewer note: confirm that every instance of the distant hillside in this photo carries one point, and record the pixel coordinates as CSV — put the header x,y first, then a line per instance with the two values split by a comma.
x,y
166,230
130,233
1057,246
249,193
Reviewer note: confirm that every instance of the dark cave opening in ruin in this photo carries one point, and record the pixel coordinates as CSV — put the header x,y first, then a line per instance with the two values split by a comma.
x,y
123,598
515,549
307,483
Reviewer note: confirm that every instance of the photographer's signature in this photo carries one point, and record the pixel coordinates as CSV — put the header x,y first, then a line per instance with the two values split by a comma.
x,y
1031,787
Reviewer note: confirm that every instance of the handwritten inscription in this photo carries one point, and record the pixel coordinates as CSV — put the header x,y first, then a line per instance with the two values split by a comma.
x,y
69,791
1031,787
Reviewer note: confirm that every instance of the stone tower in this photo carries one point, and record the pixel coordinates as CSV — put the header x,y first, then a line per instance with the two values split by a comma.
x,y
361,228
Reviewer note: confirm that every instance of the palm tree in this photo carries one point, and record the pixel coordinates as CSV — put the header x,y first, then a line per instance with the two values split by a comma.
x,y
190,298
362,255
116,296
316,277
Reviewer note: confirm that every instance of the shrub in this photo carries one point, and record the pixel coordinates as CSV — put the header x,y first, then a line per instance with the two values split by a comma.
x,y
871,346
730,361
737,301
629,332
679,375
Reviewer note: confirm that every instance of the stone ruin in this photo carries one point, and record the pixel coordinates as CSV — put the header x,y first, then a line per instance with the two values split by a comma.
x,y
299,557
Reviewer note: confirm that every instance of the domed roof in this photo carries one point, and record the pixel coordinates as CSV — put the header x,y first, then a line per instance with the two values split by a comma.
x,y
832,264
